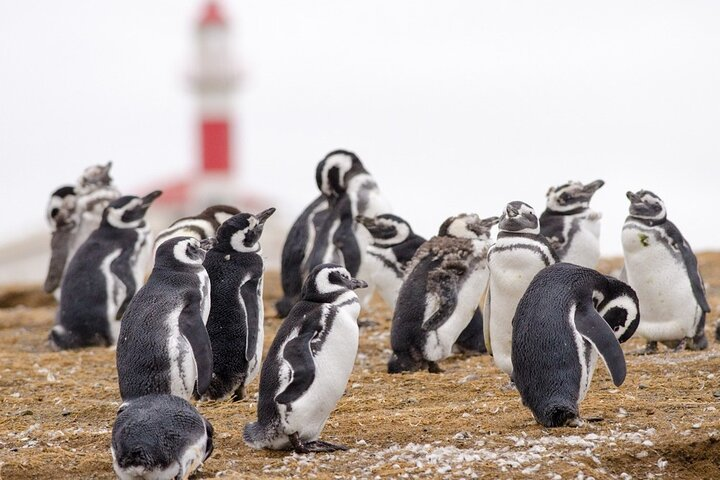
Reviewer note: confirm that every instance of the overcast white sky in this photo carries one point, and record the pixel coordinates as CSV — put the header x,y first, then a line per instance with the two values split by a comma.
x,y
453,106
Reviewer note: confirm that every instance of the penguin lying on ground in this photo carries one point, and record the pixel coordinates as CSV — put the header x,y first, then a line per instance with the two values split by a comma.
x,y
519,253
201,226
440,293
163,345
323,232
663,270
235,325
308,364
571,227
568,315
159,437
103,275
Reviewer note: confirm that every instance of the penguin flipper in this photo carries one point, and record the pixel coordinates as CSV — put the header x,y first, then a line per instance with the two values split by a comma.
x,y
194,331
120,267
486,320
298,353
251,293
59,248
691,265
595,330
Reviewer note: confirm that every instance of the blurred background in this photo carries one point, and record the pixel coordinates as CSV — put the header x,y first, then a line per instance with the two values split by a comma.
x,y
453,106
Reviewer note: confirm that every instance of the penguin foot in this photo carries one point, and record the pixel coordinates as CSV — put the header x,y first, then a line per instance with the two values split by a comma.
x,y
681,345
433,367
575,422
651,348
699,342
239,394
316,446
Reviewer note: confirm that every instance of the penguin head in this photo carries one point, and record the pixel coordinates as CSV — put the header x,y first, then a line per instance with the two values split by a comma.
x,y
386,229
62,198
572,196
618,305
94,177
335,171
467,225
219,213
182,252
646,205
519,217
327,281
129,211
242,232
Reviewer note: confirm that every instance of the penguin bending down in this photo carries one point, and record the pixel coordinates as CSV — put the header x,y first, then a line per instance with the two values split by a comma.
x,y
201,226
235,324
440,293
318,235
663,270
308,364
519,253
73,216
103,275
572,228
568,315
161,437
163,345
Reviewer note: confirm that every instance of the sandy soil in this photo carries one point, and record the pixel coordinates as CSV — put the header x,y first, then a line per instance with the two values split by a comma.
x,y
57,411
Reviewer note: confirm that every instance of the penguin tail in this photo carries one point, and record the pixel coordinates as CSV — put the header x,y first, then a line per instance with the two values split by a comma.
x,y
255,435
558,415
283,306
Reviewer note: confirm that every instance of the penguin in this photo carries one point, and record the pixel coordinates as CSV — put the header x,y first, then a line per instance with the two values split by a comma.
x,y
663,270
308,364
62,198
322,233
440,294
76,217
572,228
201,226
567,317
519,253
103,276
161,437
235,325
163,345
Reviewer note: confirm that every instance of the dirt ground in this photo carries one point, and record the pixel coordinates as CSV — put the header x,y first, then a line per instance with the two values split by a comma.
x,y
57,411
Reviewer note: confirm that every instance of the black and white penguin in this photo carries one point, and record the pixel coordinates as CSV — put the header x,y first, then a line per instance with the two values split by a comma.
x,y
235,325
567,317
161,437
201,226
308,364
519,253
572,228
440,294
75,218
62,198
103,276
164,346
663,270
322,233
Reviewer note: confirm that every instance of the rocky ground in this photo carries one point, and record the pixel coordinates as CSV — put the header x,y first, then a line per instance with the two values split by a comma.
x,y
57,410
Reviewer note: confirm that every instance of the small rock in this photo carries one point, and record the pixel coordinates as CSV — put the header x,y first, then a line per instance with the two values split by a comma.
x,y
468,378
641,454
716,394
696,425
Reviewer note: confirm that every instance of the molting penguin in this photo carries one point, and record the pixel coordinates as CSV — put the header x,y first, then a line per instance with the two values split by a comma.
x,y
663,270
159,437
163,345
568,315
75,218
519,253
313,235
440,293
103,276
235,325
308,364
201,226
571,227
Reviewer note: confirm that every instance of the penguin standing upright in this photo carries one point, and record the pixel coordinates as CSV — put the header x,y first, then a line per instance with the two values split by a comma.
x,y
308,364
75,218
161,437
163,345
663,270
103,276
519,253
201,226
235,324
568,315
440,293
325,232
572,228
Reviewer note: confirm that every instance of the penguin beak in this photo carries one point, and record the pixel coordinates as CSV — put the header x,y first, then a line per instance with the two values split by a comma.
x,y
633,197
208,243
150,197
264,215
593,187
354,284
367,222
511,211
490,221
